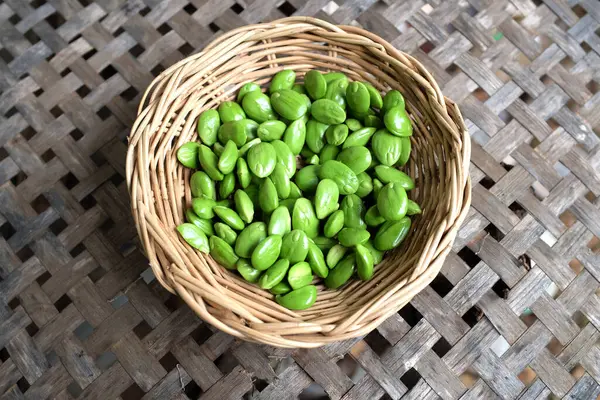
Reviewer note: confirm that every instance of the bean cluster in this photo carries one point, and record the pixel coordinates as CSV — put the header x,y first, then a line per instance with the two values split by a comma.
x,y
300,182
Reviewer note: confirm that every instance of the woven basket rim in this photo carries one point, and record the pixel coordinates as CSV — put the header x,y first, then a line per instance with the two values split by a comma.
x,y
158,185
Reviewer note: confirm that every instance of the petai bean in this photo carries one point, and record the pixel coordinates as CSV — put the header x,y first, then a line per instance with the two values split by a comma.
x,y
304,181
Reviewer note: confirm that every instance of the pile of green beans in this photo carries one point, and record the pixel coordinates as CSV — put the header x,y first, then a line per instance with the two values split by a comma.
x,y
301,181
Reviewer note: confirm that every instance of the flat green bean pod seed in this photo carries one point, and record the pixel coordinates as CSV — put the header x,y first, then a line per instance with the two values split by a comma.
x,y
406,147
239,131
236,131
392,202
222,252
326,198
208,126
244,206
247,88
280,222
335,255
226,233
295,246
336,134
205,225
391,234
230,111
257,106
358,158
315,135
341,174
359,138
194,236
202,186
267,196
299,299
393,98
365,184
397,121
285,157
373,218
282,80
203,207
375,97
289,104
350,237
317,261
353,209
307,178
299,275
353,124
188,155
274,274
336,91
329,152
230,217
304,218
281,288
281,181
295,136
261,159
209,161
389,175
243,173
266,252
328,112
364,263
227,186
342,272
386,147
413,208
315,84
249,238
357,97
247,271
334,224
271,130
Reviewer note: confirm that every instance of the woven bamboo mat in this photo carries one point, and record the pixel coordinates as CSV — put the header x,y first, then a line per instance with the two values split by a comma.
x,y
515,312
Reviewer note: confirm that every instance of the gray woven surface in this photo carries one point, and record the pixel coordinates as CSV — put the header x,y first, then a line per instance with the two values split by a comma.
x,y
514,313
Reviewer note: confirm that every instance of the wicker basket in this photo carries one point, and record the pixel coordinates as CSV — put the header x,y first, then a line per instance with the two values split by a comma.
x,y
160,192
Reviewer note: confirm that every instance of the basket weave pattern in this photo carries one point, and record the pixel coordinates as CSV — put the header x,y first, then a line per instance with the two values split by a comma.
x,y
159,185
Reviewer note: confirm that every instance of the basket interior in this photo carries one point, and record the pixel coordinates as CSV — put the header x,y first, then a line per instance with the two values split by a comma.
x,y
168,120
